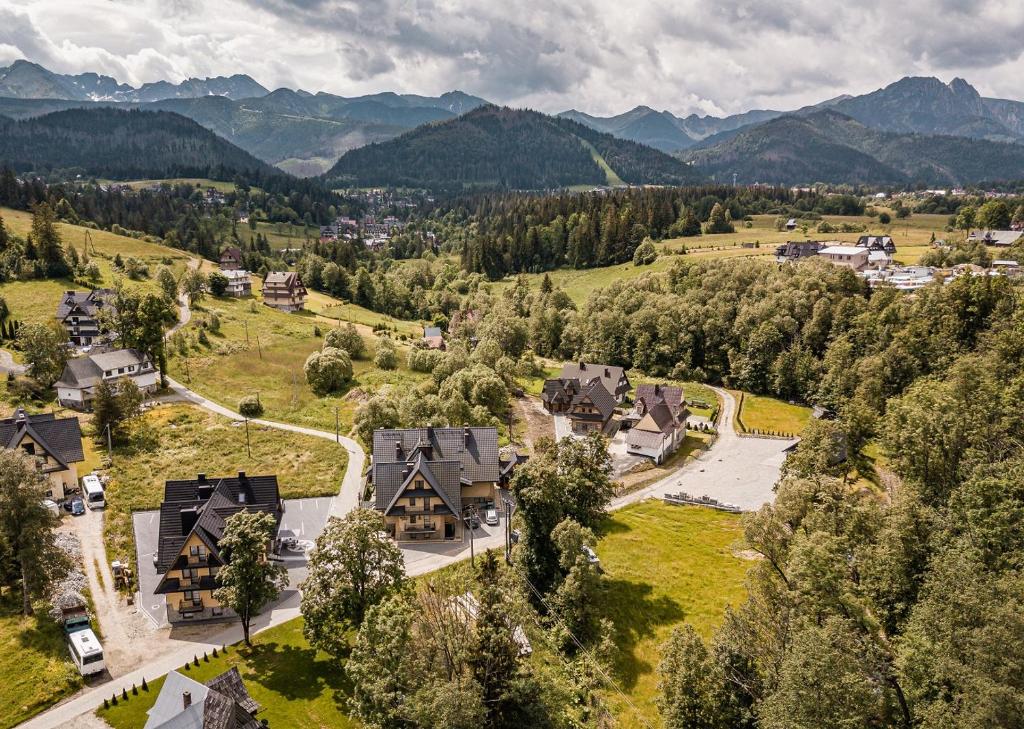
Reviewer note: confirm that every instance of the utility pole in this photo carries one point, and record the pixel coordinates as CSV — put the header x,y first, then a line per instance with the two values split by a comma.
x,y
110,445
188,376
246,325
472,545
258,347
248,446
508,532
337,425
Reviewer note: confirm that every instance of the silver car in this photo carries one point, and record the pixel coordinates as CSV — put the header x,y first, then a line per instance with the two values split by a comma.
x,y
491,517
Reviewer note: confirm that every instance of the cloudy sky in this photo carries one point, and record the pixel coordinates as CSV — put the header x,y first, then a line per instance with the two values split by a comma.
x,y
600,56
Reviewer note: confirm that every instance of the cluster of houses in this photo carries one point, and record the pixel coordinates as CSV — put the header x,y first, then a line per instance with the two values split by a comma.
x,y
374,233
870,252
282,290
588,395
872,258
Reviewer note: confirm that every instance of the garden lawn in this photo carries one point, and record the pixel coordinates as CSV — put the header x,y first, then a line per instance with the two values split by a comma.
x,y
294,685
34,662
768,414
36,300
270,362
664,566
180,441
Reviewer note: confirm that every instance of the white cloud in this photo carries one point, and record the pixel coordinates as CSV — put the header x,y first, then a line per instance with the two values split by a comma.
x,y
602,56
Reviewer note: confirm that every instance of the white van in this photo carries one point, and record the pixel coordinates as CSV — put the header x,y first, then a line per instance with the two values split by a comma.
x,y
92,489
86,652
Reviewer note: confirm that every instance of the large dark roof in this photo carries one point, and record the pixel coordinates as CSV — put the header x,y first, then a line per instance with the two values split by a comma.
x,y
598,394
83,372
203,505
672,395
586,371
558,390
392,479
476,448
88,302
60,437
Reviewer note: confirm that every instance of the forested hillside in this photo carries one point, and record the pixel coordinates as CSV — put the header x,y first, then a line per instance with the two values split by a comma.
x,y
122,145
827,146
505,149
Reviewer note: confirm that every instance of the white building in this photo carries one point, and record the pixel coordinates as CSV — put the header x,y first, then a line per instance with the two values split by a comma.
x,y
854,257
239,283
77,384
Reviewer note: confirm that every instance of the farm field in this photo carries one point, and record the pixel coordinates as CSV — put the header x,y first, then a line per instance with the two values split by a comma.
x,y
259,350
34,662
202,182
664,566
33,301
180,441
767,413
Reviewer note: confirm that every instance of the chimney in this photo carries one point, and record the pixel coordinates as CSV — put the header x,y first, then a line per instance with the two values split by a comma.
x,y
583,365
186,699
657,389
189,517
607,372
241,476
201,477
398,450
204,491
465,436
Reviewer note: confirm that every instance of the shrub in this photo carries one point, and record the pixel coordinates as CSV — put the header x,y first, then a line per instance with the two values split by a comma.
x,y
347,338
328,370
217,282
645,253
386,358
250,407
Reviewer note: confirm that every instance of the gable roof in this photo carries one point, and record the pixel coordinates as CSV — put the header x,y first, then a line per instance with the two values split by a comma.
x,y
59,437
202,506
650,393
233,253
431,332
596,392
283,280
475,448
996,237
444,478
559,390
609,374
83,372
89,303
222,702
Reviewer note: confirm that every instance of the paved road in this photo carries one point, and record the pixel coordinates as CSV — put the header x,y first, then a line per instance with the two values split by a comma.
x,y
740,470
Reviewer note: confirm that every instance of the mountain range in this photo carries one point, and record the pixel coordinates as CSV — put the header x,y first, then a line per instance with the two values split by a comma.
x,y
25,80
492,147
916,130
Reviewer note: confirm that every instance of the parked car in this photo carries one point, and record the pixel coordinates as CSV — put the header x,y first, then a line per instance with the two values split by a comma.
x,y
514,536
591,555
473,520
76,506
51,506
491,517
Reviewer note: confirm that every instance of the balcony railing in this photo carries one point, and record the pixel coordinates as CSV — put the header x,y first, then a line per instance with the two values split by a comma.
x,y
420,529
190,606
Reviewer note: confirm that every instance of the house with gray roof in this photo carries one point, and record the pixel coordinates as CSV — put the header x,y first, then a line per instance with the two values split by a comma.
x,y
425,478
661,414
56,443
223,702
81,313
587,404
193,517
283,290
613,378
77,384
1001,238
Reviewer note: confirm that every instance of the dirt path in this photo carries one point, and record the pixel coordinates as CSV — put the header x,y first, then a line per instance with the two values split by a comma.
x,y
7,363
128,637
531,414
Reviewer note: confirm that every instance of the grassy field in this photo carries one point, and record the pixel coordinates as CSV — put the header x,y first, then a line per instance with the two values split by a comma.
x,y
295,685
767,413
636,480
202,182
261,350
33,301
911,237
34,662
180,441
280,235
664,565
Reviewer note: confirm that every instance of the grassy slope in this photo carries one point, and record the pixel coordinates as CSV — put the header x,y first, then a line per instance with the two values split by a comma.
x,y
179,441
230,368
664,565
767,413
911,237
37,300
34,663
612,177
295,685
